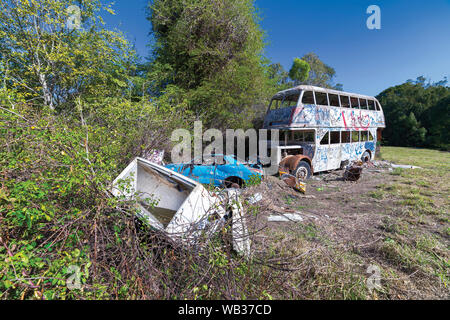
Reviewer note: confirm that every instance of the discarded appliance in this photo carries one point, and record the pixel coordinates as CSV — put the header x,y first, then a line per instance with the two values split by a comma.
x,y
219,170
179,206
353,171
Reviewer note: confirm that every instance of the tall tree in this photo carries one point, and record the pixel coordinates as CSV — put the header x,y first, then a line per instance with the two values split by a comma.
x,y
321,74
299,71
52,51
412,112
212,51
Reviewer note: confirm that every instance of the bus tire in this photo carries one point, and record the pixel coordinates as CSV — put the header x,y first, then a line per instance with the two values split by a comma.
x,y
365,157
303,171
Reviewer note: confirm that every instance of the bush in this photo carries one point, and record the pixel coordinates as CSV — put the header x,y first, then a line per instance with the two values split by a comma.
x,y
58,221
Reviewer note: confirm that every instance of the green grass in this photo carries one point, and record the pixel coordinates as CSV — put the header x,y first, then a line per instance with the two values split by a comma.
x,y
412,254
419,228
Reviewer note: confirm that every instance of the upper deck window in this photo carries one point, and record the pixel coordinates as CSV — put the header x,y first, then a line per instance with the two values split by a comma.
x,y
345,101
308,97
378,106
362,103
334,100
321,99
371,104
354,102
289,100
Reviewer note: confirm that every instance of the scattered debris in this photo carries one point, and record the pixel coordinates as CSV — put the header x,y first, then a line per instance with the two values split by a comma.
x,y
155,156
179,206
353,171
291,180
404,166
287,217
389,165
255,198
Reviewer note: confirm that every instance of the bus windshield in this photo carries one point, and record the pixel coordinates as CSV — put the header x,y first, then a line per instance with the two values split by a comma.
x,y
289,99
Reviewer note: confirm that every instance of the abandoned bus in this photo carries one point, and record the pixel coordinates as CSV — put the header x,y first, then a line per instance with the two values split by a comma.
x,y
323,129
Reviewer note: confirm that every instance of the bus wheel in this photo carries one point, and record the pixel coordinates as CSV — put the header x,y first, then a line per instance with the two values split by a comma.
x,y
365,157
303,171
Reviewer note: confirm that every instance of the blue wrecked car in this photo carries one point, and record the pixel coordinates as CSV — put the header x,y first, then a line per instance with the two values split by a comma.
x,y
219,170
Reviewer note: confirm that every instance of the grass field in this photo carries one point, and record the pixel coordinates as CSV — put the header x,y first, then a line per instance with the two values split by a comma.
x,y
395,221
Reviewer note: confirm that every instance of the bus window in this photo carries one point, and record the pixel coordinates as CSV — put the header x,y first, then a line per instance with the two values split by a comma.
x,y
378,106
290,100
297,135
321,99
334,100
371,104
345,137
362,103
334,137
308,97
308,136
325,139
283,135
274,104
354,102
345,102
370,136
364,135
355,136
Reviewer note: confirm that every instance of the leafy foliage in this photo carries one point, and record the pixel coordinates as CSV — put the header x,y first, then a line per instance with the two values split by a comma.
x,y
320,74
299,71
212,52
416,114
46,62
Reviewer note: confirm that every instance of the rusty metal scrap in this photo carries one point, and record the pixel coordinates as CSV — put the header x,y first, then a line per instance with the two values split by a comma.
x,y
291,180
353,171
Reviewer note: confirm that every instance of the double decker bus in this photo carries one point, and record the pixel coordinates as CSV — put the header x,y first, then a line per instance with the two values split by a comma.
x,y
323,129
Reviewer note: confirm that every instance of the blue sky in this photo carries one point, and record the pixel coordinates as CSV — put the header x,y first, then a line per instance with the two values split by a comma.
x,y
414,38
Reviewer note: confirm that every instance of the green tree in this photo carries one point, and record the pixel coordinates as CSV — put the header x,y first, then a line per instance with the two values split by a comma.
x,y
321,74
412,110
279,77
212,51
46,58
299,71
439,115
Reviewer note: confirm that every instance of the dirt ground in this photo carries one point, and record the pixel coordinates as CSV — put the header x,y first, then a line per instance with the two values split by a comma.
x,y
341,208
351,222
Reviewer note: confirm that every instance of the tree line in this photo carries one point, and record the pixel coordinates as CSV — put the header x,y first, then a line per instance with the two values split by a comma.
x,y
417,114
